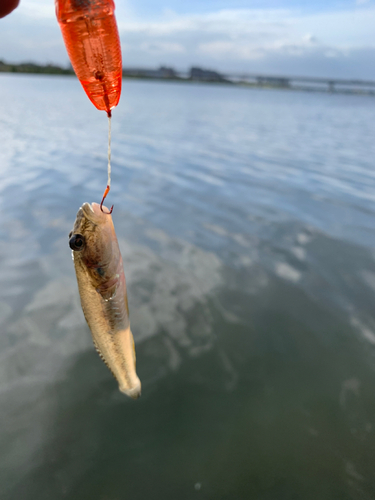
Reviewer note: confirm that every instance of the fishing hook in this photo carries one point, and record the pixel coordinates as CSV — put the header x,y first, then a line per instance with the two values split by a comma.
x,y
104,197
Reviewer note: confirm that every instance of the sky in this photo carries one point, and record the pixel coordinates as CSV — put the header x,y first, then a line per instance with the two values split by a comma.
x,y
331,38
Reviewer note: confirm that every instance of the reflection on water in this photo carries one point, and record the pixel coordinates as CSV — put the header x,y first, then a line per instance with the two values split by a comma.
x,y
245,219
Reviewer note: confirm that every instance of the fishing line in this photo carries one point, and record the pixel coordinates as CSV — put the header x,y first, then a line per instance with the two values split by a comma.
x,y
109,151
109,165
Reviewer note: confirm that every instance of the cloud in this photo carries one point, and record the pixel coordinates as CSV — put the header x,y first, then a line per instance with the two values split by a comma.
x,y
229,22
38,9
270,40
239,38
267,28
161,47
258,49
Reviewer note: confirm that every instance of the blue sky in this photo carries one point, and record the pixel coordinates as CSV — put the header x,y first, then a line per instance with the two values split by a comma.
x,y
333,38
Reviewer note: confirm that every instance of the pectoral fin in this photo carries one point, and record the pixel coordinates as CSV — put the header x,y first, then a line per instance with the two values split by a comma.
x,y
108,290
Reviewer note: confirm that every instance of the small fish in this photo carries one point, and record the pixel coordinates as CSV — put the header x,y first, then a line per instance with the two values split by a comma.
x,y
102,288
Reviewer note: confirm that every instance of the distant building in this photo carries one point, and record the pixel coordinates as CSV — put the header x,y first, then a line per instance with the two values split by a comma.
x,y
274,81
163,72
166,72
205,75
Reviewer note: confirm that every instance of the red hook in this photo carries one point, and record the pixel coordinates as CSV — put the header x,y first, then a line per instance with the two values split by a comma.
x,y
104,197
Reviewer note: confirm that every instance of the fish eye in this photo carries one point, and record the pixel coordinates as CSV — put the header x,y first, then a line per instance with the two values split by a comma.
x,y
77,242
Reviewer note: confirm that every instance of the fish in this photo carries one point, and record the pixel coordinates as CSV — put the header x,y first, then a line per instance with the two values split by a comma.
x,y
102,289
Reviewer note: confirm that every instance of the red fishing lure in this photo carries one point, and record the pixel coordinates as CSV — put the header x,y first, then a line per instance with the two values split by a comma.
x,y
91,38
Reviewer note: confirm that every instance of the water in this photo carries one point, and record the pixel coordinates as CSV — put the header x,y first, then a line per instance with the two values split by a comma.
x,y
245,219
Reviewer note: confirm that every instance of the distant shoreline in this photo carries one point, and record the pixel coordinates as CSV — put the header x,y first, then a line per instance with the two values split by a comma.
x,y
32,68
199,75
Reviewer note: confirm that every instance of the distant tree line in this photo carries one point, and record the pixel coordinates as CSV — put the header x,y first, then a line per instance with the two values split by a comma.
x,y
196,74
162,73
28,67
166,73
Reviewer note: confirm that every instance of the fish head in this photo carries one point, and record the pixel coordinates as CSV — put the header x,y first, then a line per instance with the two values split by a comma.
x,y
93,242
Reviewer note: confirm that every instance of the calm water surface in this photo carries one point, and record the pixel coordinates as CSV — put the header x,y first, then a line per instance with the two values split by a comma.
x,y
246,222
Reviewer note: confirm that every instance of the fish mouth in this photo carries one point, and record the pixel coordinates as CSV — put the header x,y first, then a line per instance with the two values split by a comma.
x,y
93,212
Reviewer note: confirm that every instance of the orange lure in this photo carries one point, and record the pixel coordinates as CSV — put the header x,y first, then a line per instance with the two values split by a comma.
x,y
91,38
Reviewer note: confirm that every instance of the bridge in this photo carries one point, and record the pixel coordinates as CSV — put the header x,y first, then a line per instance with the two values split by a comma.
x,y
305,83
287,82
